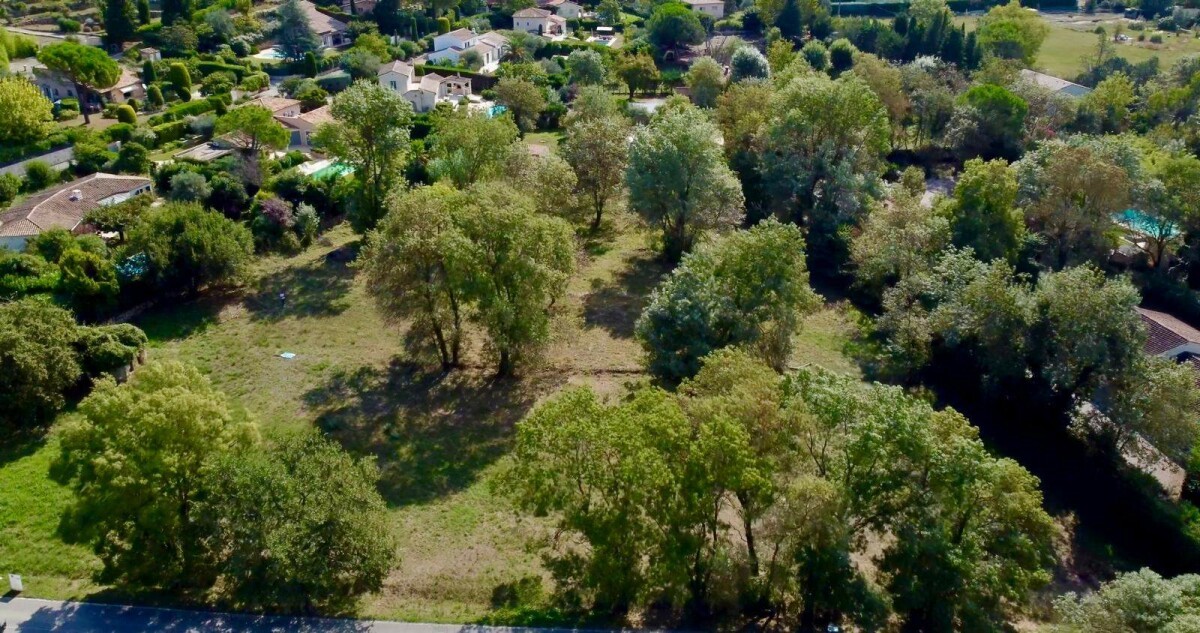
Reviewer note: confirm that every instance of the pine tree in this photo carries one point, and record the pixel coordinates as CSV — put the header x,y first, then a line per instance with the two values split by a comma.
x,y
149,75
295,34
174,10
952,47
143,11
972,54
790,20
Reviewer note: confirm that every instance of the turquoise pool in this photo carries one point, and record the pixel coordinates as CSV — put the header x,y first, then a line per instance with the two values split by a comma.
x,y
1143,223
333,170
496,111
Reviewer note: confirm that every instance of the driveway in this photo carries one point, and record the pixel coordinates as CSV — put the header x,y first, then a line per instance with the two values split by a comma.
x,y
28,615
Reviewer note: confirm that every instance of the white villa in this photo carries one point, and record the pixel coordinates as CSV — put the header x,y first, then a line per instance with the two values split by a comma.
x,y
539,22
423,92
450,47
713,8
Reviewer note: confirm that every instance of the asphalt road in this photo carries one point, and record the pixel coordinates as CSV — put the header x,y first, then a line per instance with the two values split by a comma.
x,y
28,615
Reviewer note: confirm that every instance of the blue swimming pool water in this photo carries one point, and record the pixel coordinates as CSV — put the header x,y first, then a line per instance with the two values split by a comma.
x,y
1142,222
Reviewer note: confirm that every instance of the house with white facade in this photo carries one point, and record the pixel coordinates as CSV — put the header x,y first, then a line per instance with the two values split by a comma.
x,y
331,31
303,125
449,48
712,8
569,10
423,92
539,22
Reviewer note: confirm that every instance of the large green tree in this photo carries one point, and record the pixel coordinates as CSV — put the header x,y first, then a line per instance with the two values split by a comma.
x,y
900,237
674,24
678,179
253,128
705,80
87,67
134,456
176,10
597,150
299,527
119,22
188,247
523,99
370,134
823,154
38,362
25,114
1132,602
1011,31
750,288
470,146
983,213
294,33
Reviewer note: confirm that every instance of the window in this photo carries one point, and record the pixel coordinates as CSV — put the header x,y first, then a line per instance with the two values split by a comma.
x,y
393,85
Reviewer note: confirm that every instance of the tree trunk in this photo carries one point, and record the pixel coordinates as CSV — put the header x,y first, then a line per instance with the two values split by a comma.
x,y
83,102
599,210
748,526
505,368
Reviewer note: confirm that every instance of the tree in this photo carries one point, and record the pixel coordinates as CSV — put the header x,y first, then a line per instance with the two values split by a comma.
x,y
143,11
89,281
887,82
638,72
26,116
1134,601
989,122
748,63
674,24
705,80
134,457
823,155
678,179
816,55
748,289
295,35
176,10
126,114
983,214
523,260
524,100
87,67
181,80
592,102
417,267
1070,189
609,12
471,147
597,150
1170,199
189,186
119,26
38,362
132,158
1010,31
587,68
371,135
120,216
310,64
253,128
188,247
900,237
299,527
1108,103
841,55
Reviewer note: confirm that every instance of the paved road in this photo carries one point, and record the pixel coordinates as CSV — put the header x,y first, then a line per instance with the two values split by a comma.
x,y
27,615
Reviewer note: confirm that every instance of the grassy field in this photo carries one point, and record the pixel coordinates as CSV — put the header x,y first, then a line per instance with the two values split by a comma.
x,y
1072,38
438,440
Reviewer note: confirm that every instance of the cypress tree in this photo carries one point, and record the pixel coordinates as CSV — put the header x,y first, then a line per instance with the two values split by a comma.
x,y
149,75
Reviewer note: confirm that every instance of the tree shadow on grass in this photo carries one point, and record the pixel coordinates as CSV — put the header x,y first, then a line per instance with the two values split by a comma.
x,y
173,319
21,443
432,433
615,306
318,289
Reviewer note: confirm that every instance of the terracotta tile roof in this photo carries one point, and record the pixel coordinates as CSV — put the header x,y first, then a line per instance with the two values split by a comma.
x,y
1193,361
1165,332
320,22
318,116
531,13
462,34
275,104
494,38
55,208
396,67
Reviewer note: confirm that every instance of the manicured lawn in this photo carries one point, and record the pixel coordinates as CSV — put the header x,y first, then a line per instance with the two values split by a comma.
x,y
1072,38
439,440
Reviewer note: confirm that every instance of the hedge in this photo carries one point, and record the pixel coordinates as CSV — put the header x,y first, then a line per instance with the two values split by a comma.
x,y
479,81
208,68
335,83
172,131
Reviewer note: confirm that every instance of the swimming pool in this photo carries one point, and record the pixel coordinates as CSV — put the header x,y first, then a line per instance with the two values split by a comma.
x,y
1144,223
272,53
333,170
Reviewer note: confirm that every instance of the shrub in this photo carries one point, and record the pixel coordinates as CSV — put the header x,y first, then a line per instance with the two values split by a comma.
x,y
189,186
125,114
119,132
38,176
154,94
1157,38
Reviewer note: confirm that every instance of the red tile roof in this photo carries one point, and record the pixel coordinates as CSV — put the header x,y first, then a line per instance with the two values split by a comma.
x,y
1165,332
55,208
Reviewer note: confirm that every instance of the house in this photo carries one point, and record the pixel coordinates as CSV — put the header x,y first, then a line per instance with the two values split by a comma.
x,y
279,106
303,125
150,54
539,22
64,206
331,31
569,10
1168,337
1054,84
55,86
359,7
448,48
423,92
713,8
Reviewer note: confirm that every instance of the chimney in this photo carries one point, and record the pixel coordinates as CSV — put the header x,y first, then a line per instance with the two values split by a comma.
x,y
76,195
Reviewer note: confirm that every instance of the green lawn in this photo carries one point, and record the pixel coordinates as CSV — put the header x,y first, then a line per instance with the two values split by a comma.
x,y
438,440
1069,41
